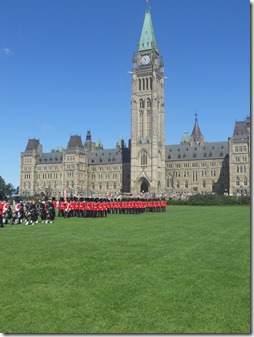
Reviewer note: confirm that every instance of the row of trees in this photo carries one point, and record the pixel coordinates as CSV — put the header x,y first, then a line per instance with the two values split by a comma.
x,y
6,189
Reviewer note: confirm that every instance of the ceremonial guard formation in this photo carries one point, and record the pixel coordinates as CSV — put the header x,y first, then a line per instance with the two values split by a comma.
x,y
31,212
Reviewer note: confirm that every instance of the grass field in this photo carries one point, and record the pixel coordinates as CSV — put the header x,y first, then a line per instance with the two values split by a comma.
x,y
183,271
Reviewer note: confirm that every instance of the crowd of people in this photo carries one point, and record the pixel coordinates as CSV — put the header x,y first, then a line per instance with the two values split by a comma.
x,y
31,212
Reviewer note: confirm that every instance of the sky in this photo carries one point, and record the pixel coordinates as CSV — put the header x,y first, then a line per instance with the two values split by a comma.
x,y
64,70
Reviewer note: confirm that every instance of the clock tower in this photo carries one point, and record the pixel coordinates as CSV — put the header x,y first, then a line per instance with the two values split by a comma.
x,y
147,115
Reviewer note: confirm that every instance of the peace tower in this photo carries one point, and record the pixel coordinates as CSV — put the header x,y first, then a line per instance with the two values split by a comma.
x,y
147,114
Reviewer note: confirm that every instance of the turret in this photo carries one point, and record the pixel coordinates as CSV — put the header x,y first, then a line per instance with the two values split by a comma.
x,y
196,137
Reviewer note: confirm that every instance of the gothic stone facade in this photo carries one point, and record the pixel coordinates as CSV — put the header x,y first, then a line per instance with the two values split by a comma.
x,y
147,164
88,169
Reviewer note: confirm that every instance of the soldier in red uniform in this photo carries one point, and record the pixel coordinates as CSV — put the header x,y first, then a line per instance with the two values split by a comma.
x,y
81,207
76,207
88,208
105,208
61,207
1,214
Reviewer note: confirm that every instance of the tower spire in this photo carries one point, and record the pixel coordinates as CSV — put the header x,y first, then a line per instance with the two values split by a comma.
x,y
147,39
196,136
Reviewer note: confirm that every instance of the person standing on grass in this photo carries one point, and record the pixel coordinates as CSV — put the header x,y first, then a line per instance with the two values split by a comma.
x,y
1,213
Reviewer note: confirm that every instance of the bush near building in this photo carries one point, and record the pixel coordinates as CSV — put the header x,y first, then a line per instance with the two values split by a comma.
x,y
212,200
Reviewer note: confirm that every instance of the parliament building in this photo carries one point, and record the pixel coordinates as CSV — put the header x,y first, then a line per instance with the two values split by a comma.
x,y
145,164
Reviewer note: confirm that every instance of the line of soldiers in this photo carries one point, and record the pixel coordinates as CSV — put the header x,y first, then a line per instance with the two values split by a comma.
x,y
90,207
30,211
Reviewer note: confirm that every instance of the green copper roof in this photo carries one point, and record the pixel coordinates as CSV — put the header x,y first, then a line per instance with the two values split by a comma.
x,y
147,39
185,137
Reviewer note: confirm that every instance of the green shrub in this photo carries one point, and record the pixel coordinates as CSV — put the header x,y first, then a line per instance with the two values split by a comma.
x,y
211,200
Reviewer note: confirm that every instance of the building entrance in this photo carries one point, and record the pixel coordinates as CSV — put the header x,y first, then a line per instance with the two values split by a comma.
x,y
144,187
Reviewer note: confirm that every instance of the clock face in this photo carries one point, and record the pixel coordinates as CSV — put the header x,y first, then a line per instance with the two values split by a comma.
x,y
145,59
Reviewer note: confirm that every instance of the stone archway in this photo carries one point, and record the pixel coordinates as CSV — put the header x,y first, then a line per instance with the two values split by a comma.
x,y
144,187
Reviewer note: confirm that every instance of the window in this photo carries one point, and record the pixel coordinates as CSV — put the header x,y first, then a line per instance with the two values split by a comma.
x,y
237,182
148,122
143,158
141,124
195,176
151,83
139,85
169,180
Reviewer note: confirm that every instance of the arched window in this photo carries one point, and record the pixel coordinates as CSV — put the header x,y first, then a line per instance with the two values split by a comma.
x,y
148,103
245,181
143,158
204,184
141,124
151,83
146,83
139,85
148,123
141,104
237,181
186,184
168,182
143,82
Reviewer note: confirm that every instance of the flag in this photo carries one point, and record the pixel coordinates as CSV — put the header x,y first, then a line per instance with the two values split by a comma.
x,y
15,192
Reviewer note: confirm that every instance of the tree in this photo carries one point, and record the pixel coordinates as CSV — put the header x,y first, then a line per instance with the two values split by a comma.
x,y
5,189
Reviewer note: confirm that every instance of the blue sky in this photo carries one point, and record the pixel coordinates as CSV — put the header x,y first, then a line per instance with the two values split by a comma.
x,y
64,70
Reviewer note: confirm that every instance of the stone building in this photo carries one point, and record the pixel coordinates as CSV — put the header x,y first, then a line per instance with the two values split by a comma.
x,y
239,158
146,164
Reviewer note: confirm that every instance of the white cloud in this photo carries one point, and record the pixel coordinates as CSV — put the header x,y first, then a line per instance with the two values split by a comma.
x,y
6,51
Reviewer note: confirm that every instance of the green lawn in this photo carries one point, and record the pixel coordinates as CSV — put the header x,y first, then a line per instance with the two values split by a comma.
x,y
183,271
